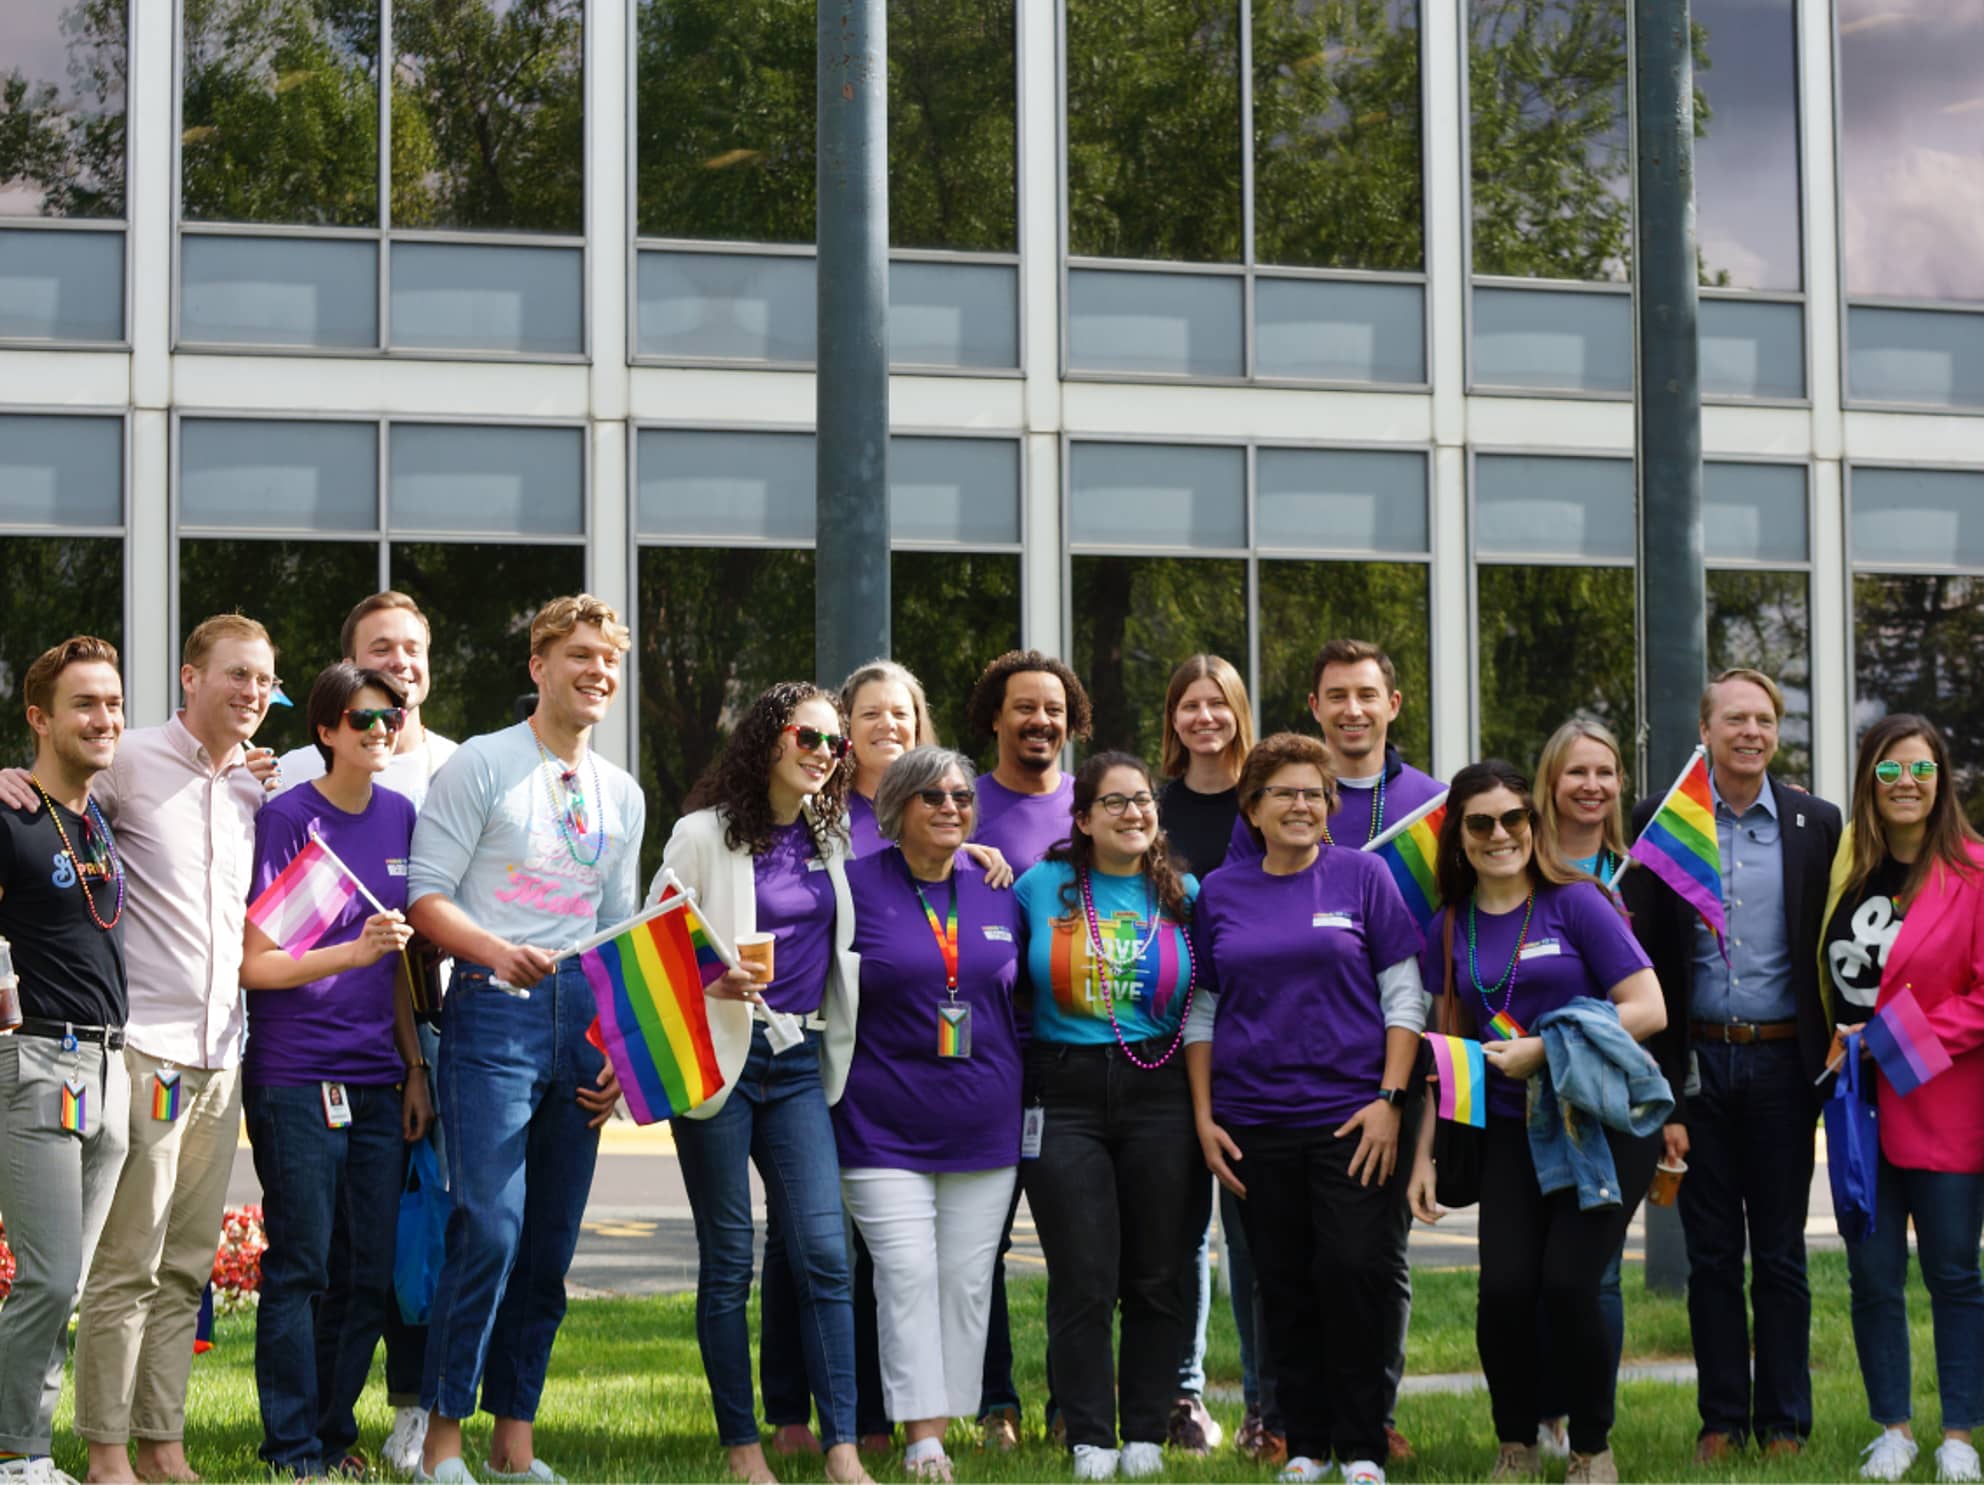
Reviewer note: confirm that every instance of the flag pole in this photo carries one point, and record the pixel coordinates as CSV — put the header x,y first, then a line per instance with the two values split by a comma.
x,y
337,861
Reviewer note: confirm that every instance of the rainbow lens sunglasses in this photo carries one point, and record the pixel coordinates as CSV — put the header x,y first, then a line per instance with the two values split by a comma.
x,y
1888,770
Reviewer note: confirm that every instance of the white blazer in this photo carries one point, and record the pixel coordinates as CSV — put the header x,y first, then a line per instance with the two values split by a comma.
x,y
727,893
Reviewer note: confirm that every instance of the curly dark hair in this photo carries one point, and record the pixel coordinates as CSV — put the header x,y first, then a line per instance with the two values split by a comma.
x,y
738,783
988,696
1078,850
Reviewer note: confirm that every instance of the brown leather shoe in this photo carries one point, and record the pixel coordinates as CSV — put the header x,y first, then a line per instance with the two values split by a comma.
x,y
1397,1445
1714,1447
1784,1447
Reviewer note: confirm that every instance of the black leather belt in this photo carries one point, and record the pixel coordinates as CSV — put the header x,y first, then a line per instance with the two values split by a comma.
x,y
111,1038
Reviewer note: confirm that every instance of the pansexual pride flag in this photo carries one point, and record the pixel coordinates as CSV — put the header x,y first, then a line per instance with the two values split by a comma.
x,y
1463,1078
1905,1044
1679,845
300,905
1409,850
648,980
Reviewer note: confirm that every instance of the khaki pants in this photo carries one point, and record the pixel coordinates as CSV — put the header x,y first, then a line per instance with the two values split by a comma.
x,y
141,1302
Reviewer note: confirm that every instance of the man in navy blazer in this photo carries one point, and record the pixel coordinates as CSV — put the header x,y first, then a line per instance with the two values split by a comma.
x,y
1746,1035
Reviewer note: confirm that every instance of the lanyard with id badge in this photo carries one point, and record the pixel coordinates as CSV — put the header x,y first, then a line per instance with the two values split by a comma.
x,y
953,1015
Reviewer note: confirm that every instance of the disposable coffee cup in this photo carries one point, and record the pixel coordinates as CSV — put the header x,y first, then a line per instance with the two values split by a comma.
x,y
1666,1182
755,949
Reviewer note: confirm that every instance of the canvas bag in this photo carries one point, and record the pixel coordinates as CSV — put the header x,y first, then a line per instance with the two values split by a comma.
x,y
1853,1146
421,1237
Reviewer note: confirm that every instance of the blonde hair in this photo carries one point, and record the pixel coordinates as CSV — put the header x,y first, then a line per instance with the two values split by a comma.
x,y
1550,766
211,631
1173,758
897,675
1743,673
558,618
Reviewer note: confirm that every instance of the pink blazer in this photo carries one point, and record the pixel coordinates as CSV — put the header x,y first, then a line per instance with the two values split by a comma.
x,y
1939,954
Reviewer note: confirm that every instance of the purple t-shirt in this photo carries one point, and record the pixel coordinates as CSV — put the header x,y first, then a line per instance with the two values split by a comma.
x,y
1299,1041
1577,944
863,838
796,904
1351,822
339,1028
905,1107
1023,826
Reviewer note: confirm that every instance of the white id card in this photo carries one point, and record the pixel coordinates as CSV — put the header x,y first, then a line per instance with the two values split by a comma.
x,y
337,1107
1032,1127
783,1031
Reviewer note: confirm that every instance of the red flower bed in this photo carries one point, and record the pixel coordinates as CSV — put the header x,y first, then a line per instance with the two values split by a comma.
x,y
238,1261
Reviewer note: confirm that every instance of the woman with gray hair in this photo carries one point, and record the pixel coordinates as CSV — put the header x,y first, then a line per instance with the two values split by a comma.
x,y
939,952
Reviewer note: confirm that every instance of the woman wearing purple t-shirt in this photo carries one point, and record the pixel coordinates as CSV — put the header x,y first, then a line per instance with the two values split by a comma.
x,y
1531,934
1300,1051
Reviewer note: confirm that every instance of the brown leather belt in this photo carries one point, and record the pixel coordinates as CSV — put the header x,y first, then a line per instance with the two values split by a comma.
x,y
1742,1033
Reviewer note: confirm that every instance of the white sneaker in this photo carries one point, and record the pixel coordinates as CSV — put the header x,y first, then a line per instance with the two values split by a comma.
x,y
1553,1439
1956,1461
1302,1470
1141,1461
401,1451
1889,1456
41,1470
1363,1472
1093,1462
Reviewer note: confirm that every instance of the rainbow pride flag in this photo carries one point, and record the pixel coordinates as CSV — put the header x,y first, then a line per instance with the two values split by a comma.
x,y
1463,1078
301,904
165,1096
647,977
1502,1027
1679,845
1409,850
1904,1044
75,1107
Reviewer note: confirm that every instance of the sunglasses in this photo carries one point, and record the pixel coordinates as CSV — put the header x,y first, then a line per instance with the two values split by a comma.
x,y
365,718
811,738
1482,827
962,798
1888,770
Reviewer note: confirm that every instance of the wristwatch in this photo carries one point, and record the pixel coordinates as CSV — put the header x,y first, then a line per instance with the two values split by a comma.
x,y
1393,1096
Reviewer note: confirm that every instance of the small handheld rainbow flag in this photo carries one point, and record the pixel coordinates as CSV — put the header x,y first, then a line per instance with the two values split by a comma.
x,y
1463,1078
648,976
300,905
1679,846
1409,850
1502,1027
1904,1044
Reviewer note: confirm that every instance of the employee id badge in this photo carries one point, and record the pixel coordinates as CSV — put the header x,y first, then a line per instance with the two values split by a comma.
x,y
953,1030
1033,1124
337,1107
783,1031
165,1095
1692,1085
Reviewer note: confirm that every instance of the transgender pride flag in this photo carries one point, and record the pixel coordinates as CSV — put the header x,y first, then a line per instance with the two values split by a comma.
x,y
300,905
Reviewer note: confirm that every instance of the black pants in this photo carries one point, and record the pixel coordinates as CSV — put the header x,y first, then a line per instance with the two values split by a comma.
x,y
1325,1261
1120,1200
1542,1250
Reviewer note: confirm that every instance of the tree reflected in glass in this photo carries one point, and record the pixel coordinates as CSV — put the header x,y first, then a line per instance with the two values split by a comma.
x,y
1306,604
1918,646
1135,618
1763,620
50,588
63,71
1555,642
951,614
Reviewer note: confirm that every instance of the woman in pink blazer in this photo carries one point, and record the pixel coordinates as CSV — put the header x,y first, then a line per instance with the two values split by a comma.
x,y
1907,916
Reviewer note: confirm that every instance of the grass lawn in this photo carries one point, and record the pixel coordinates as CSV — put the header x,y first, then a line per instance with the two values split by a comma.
x,y
627,1399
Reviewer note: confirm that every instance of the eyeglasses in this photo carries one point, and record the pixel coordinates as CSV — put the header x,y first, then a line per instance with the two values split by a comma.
x,y
1482,827
962,798
1888,770
811,738
242,678
365,718
1289,793
1116,804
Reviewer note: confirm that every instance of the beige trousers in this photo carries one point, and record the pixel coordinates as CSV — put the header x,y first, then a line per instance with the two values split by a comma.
x,y
141,1302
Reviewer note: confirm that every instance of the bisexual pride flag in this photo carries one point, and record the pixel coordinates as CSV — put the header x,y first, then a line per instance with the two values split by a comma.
x,y
1463,1075
299,906
1409,850
1679,846
1904,1044
648,976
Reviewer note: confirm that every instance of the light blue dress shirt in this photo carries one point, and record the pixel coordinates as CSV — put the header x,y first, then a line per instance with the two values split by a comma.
x,y
1755,983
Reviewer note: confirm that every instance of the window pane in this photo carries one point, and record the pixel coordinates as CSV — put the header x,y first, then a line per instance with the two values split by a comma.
x,y
1751,349
479,599
1340,499
693,483
953,139
1153,494
1135,618
953,314
464,477
1535,505
278,291
1918,646
1555,641
1746,143
62,145
50,588
1764,620
300,589
1916,356
1911,148
1154,323
61,285
489,114
737,306
1339,332
1754,512
1553,339
256,473
280,112
61,471
1336,135
1549,138
951,613
1304,605
1918,517
1153,122
488,298
954,489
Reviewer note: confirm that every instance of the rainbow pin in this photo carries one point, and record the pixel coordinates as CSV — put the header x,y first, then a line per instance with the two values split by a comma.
x,y
1505,1027
165,1098
75,1107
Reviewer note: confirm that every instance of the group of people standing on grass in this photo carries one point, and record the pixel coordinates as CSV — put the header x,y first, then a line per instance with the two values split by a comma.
x,y
1122,992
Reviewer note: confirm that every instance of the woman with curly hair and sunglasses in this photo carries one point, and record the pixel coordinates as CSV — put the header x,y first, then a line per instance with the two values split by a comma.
x,y
763,849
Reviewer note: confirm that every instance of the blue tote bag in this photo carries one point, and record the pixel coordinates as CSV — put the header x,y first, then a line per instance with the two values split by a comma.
x,y
422,1234
1853,1146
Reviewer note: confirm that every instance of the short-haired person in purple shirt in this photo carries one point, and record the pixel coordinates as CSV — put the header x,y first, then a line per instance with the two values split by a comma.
x,y
331,1045
1532,934
929,1126
1300,1050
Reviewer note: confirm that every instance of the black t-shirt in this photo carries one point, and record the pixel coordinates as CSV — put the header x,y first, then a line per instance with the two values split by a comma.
x,y
70,969
1861,935
1199,825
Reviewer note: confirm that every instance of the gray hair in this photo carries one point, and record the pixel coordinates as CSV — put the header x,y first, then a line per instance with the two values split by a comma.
x,y
909,775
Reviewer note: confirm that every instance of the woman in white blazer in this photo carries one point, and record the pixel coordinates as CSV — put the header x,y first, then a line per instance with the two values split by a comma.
x,y
763,848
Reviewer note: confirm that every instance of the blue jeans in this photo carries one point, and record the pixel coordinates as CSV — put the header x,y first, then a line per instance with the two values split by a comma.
x,y
1554,1394
520,1162
781,1360
1949,1216
316,1179
775,1118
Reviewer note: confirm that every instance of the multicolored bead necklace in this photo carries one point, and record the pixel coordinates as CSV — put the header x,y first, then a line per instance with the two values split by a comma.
x,y
94,818
1500,1021
571,814
1377,815
1098,954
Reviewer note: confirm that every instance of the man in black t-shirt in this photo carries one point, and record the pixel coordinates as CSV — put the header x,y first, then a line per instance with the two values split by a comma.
x,y
64,1094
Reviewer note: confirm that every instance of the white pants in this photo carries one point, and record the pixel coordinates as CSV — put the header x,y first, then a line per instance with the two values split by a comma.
x,y
934,1239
